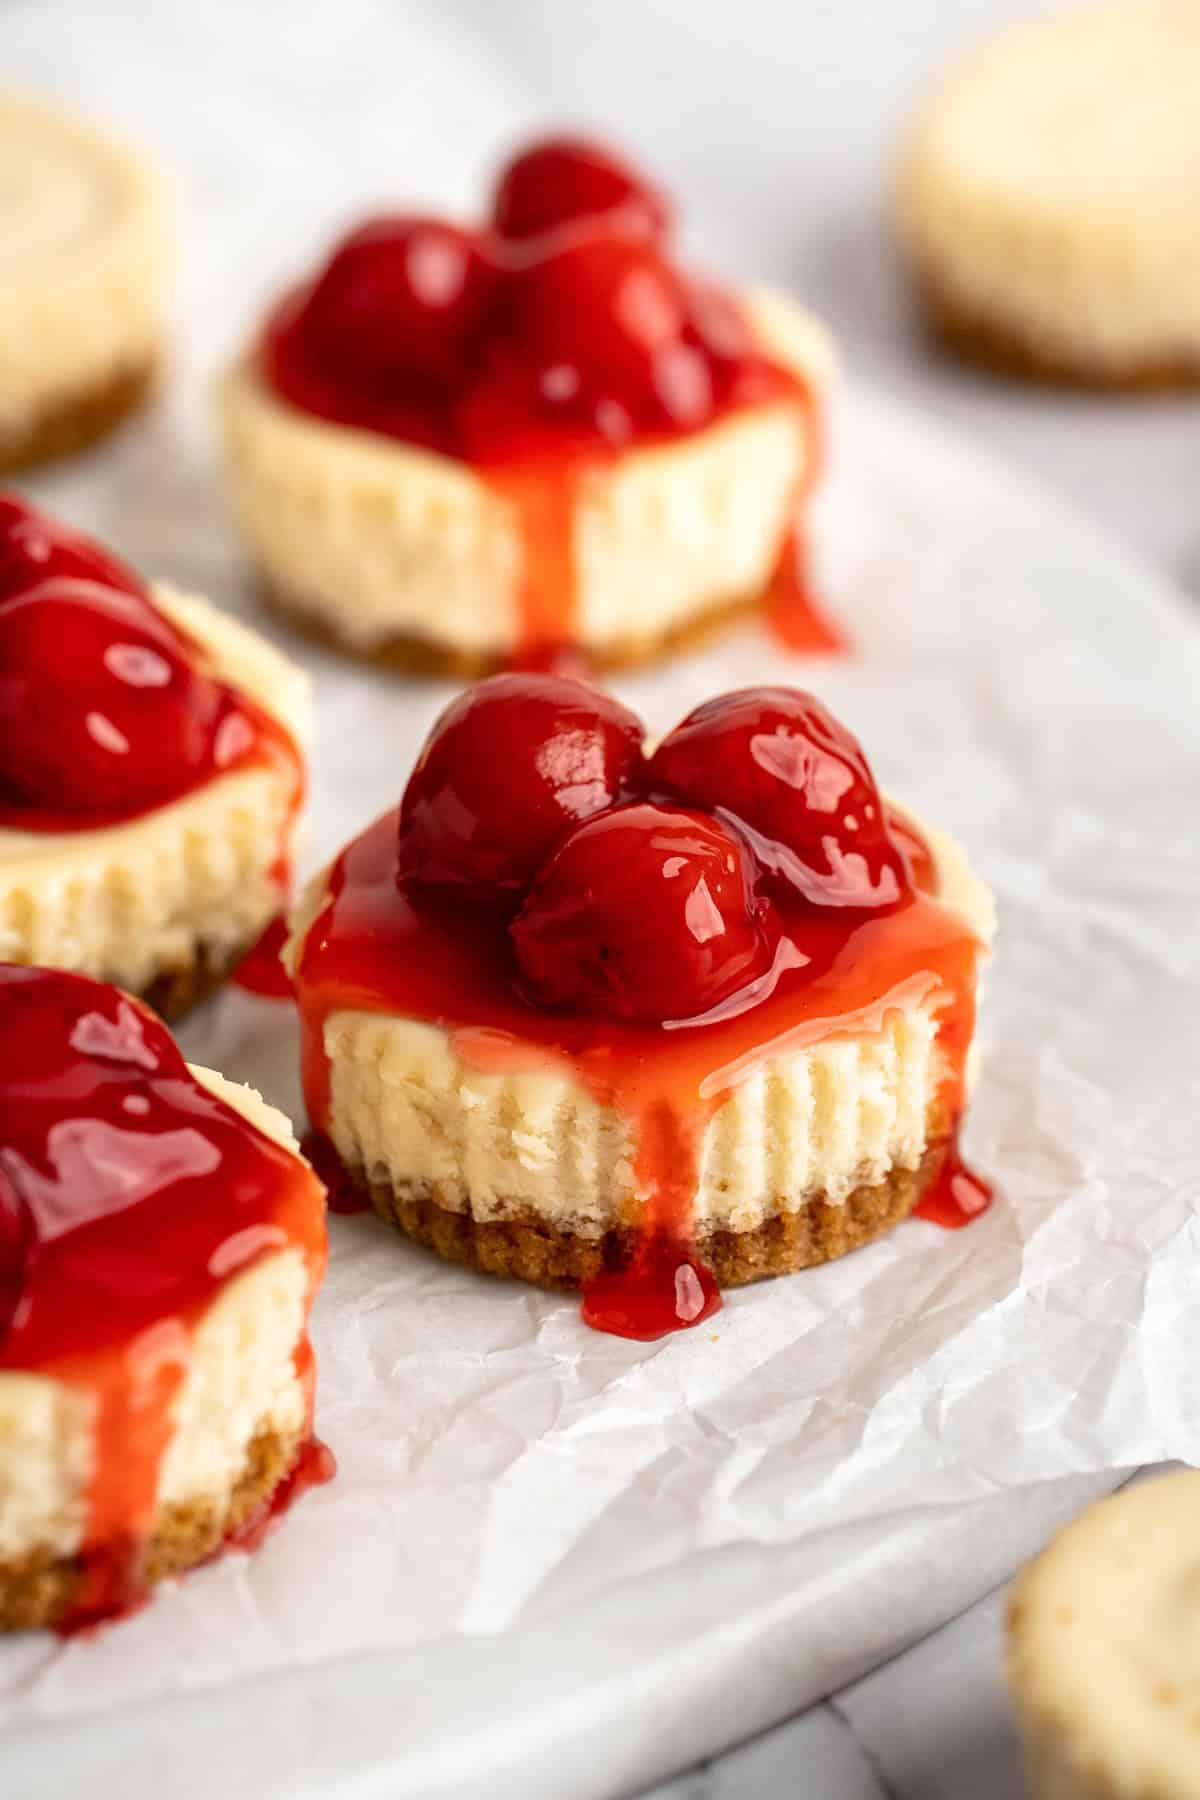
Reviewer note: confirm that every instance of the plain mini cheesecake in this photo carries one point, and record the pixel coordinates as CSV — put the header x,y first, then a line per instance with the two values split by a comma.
x,y
160,1243
1104,1651
455,448
1046,196
642,1025
151,770
85,252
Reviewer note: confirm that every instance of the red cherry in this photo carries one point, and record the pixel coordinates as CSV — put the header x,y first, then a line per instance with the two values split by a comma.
x,y
33,547
100,707
569,183
647,912
508,769
783,766
310,375
602,323
398,300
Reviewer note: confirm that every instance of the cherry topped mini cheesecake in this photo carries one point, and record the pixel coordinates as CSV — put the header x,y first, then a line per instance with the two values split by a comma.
x,y
461,447
150,770
643,1024
160,1244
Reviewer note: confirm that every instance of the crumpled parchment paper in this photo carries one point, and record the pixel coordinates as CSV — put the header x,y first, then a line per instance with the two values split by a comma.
x,y
566,1560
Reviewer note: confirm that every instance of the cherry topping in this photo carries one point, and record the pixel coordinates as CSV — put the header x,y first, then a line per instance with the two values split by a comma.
x,y
647,912
398,300
601,324
569,183
778,761
33,546
560,331
508,769
100,707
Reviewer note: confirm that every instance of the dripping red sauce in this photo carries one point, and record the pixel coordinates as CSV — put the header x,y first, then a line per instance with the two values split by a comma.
x,y
538,356
129,1196
110,709
371,948
261,970
315,1465
957,1196
794,614
342,1195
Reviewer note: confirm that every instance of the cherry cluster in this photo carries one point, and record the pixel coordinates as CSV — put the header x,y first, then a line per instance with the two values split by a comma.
x,y
563,308
649,888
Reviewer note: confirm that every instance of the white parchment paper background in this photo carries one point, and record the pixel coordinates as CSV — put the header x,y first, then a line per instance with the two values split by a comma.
x,y
557,1562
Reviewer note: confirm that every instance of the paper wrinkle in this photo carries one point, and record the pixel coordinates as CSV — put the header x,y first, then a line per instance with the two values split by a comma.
x,y
501,1466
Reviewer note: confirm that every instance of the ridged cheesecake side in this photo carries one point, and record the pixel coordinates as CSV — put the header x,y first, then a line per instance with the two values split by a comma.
x,y
466,1158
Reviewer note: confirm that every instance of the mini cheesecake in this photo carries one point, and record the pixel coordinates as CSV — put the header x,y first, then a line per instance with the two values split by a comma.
x,y
643,1025
1103,1652
1046,197
150,770
160,1243
85,251
455,448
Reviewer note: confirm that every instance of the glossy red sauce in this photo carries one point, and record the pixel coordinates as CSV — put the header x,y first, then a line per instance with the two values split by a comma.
x,y
315,1465
261,970
537,348
794,614
958,1195
108,709
129,1196
342,1195
371,948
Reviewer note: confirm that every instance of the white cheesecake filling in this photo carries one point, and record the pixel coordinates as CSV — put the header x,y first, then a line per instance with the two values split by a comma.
x,y
85,250
1049,184
1104,1650
374,539
125,903
409,1110
241,1380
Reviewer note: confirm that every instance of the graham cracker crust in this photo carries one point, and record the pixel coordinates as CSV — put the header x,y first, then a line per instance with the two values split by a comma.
x,y
1002,348
77,421
526,1248
37,1589
407,653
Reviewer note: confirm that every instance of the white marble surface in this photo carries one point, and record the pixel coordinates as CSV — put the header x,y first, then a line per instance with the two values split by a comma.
x,y
773,118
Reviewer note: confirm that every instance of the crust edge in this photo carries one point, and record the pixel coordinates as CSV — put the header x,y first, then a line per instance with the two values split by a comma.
x,y
79,419
526,1247
38,1589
